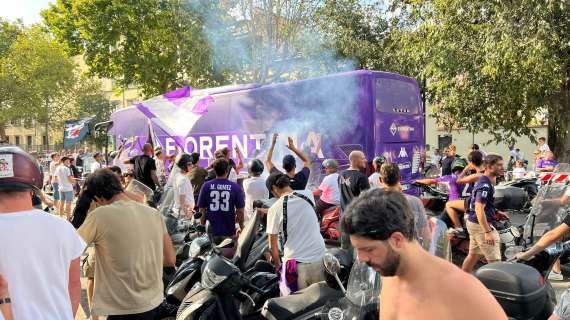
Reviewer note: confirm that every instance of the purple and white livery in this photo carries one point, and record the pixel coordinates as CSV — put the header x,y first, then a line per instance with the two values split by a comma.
x,y
375,112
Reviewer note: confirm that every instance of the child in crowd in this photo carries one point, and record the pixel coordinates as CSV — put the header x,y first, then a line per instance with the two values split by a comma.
x,y
519,171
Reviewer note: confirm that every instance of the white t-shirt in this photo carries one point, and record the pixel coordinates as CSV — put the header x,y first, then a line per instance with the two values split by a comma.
x,y
52,167
182,186
519,173
254,189
374,180
37,249
329,187
95,166
304,240
62,172
543,148
233,176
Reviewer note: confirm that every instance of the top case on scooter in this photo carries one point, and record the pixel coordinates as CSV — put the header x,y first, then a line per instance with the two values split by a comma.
x,y
518,288
510,198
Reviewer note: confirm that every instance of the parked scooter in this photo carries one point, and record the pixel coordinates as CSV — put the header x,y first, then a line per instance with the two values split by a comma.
x,y
330,299
225,292
200,250
523,289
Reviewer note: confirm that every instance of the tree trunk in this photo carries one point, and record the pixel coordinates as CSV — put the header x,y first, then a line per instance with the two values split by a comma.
x,y
3,137
559,126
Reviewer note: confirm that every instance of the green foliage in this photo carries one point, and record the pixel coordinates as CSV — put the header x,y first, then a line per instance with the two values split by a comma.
x,y
490,65
156,44
35,75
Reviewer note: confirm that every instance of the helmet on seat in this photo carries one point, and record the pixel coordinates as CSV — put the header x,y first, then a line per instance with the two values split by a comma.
x,y
18,170
458,164
255,166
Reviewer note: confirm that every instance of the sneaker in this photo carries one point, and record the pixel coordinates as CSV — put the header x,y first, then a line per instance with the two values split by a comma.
x,y
455,231
555,276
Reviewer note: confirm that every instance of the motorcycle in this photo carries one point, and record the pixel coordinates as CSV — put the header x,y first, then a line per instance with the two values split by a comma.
x,y
507,199
330,299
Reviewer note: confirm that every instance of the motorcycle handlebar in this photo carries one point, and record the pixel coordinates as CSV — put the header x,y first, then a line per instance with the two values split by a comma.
x,y
254,288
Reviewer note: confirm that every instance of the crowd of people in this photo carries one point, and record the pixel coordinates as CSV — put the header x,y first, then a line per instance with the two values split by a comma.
x,y
518,166
385,227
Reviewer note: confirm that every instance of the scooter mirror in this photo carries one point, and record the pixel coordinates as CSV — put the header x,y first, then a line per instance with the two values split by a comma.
x,y
331,263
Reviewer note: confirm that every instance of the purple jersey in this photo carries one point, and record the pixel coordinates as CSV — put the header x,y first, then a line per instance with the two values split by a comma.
x,y
221,198
484,192
542,163
454,188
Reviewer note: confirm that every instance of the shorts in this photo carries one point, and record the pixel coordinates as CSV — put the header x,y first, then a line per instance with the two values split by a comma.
x,y
55,187
66,196
89,263
477,244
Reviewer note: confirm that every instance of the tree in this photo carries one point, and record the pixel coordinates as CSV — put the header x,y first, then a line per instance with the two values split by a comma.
x,y
490,65
35,74
354,30
92,103
155,44
8,34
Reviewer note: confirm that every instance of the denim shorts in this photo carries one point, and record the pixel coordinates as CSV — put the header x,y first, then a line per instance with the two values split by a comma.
x,y
55,187
66,196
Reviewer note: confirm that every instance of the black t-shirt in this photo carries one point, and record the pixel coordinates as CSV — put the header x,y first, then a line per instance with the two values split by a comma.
x,y
143,165
74,171
446,165
298,182
351,184
79,161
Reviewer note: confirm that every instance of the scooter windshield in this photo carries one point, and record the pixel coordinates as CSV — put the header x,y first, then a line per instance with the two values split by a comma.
x,y
364,285
166,201
140,189
362,296
548,210
440,245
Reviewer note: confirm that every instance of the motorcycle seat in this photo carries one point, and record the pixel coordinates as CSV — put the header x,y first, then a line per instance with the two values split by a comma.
x,y
296,304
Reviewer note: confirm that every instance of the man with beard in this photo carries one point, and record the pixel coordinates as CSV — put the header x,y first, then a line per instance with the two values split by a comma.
x,y
416,285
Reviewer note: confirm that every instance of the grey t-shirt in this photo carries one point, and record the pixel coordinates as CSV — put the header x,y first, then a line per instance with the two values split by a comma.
x,y
419,212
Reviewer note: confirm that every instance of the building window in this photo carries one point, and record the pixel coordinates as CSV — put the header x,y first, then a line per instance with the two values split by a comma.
x,y
44,140
8,139
29,138
17,140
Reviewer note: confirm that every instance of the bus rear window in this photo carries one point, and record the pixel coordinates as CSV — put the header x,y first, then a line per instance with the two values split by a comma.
x,y
396,96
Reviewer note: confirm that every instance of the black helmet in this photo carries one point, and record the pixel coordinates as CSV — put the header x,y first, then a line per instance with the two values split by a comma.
x,y
379,160
183,161
255,166
458,164
19,170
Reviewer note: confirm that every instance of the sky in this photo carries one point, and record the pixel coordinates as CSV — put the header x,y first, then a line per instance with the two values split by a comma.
x,y
28,10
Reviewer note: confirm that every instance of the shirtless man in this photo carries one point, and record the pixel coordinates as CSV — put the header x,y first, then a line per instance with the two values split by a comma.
x,y
416,285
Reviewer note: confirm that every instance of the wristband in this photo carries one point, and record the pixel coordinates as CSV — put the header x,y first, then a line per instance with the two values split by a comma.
x,y
5,300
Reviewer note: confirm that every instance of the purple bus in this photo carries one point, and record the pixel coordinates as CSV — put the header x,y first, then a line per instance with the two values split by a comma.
x,y
376,112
